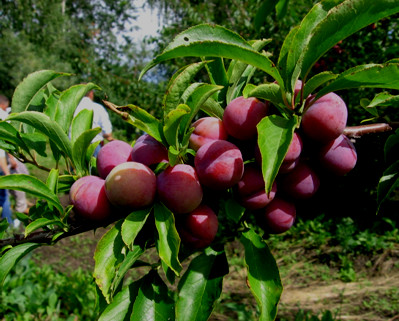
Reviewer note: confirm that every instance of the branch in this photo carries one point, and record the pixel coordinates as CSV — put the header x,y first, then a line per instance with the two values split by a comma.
x,y
358,131
46,237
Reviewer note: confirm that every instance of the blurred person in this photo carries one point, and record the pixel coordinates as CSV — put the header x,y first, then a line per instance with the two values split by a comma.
x,y
4,170
100,119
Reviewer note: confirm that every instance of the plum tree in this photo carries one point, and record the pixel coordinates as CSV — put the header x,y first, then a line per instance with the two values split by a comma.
x,y
198,228
89,199
300,183
131,185
219,164
179,189
242,115
338,156
279,216
326,118
111,154
251,189
148,151
207,129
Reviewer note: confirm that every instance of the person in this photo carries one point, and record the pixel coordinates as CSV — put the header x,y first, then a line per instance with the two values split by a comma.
x,y
4,170
100,119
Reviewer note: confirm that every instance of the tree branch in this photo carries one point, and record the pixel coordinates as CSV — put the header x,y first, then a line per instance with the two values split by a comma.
x,y
358,131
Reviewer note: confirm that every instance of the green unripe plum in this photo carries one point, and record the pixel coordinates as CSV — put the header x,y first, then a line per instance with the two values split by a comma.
x,y
89,199
131,186
112,154
179,189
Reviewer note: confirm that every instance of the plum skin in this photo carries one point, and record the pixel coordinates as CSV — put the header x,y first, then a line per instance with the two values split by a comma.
x,y
326,118
300,183
131,186
219,164
279,216
111,154
148,151
251,189
198,228
179,189
89,199
242,115
338,156
207,129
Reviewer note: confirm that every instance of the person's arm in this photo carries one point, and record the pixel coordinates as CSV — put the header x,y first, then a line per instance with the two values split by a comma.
x,y
3,163
108,136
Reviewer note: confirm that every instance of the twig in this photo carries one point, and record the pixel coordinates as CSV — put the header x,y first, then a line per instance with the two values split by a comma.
x,y
114,108
46,237
358,131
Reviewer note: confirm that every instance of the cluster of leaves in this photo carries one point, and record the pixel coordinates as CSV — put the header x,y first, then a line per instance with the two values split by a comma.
x,y
230,61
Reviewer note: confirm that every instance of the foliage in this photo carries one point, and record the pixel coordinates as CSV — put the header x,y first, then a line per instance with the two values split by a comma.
x,y
36,293
43,115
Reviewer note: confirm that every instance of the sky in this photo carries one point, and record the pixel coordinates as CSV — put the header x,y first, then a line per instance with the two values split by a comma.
x,y
147,21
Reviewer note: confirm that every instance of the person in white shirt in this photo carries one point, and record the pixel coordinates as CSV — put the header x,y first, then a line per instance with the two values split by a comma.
x,y
100,119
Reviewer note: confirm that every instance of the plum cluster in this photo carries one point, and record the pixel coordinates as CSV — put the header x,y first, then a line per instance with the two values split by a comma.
x,y
227,158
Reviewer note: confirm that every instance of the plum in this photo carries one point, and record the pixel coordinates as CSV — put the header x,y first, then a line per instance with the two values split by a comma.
x,y
179,189
131,186
111,154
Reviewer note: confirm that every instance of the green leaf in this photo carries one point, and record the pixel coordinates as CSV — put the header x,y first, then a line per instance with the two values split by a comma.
x,y
270,92
172,123
34,141
81,122
388,183
107,257
68,102
52,180
12,256
316,81
46,126
370,76
212,108
4,226
79,150
234,210
391,146
266,8
143,120
26,91
153,301
274,137
168,242
295,43
263,275
41,222
214,41
195,101
131,258
121,306
201,285
132,225
281,8
216,71
31,185
339,21
178,84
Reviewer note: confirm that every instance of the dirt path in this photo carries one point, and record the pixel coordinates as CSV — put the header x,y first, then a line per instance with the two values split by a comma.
x,y
349,299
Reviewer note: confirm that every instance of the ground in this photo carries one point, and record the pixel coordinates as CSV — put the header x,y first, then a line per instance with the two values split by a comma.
x,y
373,295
